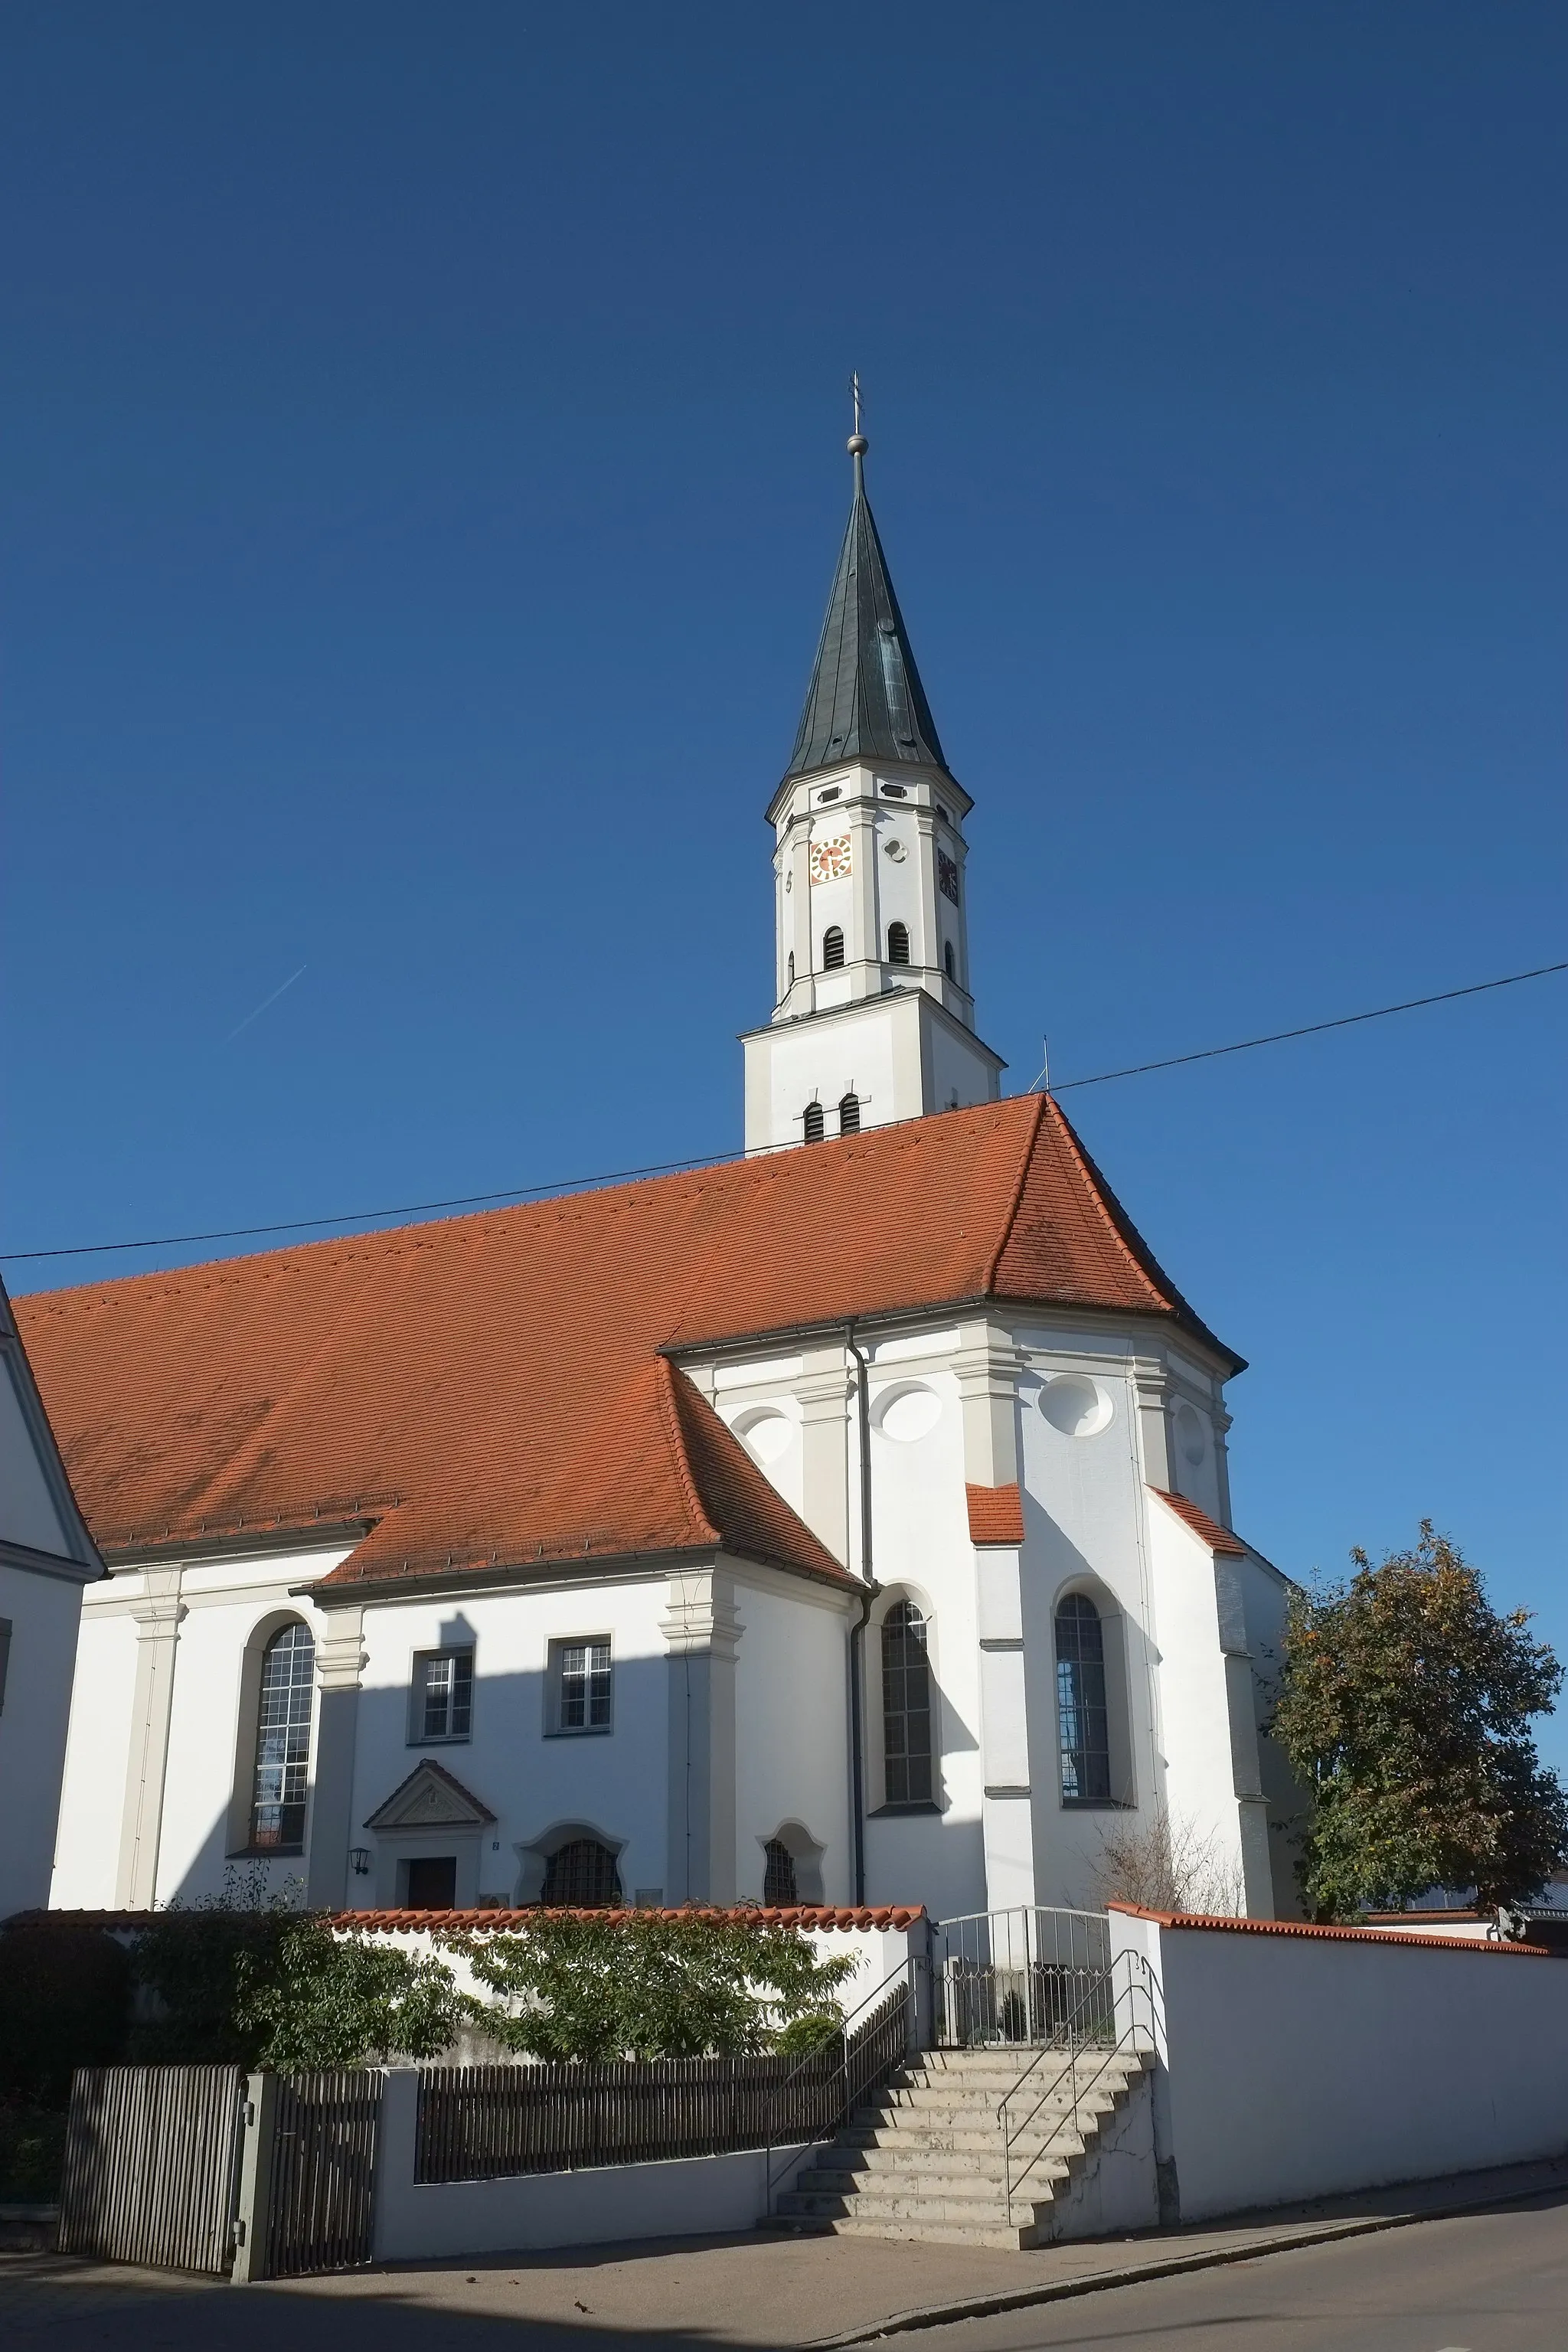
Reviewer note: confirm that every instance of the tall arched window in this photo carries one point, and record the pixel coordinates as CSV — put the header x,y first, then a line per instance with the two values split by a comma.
x,y
905,1708
779,1885
792,967
583,1875
949,961
849,1115
283,1741
832,949
1082,1717
898,943
814,1130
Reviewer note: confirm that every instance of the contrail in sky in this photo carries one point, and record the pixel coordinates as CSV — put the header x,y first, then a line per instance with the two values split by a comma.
x,y
265,1002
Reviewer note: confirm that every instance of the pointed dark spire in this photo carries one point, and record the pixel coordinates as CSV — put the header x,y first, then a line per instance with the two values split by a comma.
x,y
865,699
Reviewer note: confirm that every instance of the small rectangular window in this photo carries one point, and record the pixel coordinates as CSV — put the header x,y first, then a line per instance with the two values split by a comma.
x,y
443,1705
580,1680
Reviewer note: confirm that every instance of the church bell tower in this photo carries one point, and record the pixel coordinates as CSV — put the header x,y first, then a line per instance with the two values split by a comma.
x,y
873,1019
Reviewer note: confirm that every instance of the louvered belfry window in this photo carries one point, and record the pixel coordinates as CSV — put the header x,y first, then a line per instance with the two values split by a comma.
x,y
949,961
849,1115
905,1708
582,1874
778,1874
832,949
813,1128
283,1741
898,943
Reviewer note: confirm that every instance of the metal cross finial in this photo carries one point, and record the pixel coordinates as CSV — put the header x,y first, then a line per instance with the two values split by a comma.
x,y
856,439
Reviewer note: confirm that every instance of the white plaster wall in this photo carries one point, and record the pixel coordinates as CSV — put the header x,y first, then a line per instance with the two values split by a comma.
x,y
1085,1521
922,1546
1200,1772
693,2196
824,1060
791,1729
614,1782
1299,2065
27,1513
92,1793
44,1611
959,1068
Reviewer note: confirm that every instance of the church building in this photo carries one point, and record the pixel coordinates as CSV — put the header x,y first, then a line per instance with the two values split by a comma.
x,y
849,1522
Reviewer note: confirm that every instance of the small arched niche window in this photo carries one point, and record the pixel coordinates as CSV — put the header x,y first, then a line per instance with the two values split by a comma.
x,y
898,943
581,1874
283,1741
813,1124
950,961
1083,1715
779,1885
833,949
906,1706
792,967
849,1115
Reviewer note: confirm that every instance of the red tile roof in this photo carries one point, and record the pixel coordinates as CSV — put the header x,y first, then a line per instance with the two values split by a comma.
x,y
488,1390
821,1917
995,1515
1208,1530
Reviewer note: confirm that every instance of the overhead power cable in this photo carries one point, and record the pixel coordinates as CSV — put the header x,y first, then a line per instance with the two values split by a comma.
x,y
566,1184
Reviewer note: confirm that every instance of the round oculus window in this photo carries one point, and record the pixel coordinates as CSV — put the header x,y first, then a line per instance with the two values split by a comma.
x,y
908,1413
1075,1404
768,1435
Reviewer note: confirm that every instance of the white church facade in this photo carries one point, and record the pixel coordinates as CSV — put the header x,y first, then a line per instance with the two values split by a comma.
x,y
847,1523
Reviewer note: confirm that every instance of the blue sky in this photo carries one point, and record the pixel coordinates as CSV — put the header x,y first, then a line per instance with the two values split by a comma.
x,y
422,476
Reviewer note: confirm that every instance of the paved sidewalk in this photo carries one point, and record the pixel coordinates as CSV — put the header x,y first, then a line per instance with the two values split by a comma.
x,y
758,2289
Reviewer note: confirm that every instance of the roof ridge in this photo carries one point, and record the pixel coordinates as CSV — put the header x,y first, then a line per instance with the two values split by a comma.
x,y
1011,1219
665,1377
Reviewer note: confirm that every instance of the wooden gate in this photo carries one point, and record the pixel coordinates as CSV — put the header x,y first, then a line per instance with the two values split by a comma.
x,y
151,2166
321,2210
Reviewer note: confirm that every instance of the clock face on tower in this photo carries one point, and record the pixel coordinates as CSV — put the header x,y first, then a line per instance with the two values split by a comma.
x,y
947,875
830,860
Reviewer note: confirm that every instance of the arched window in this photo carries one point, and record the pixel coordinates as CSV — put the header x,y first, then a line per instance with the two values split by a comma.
x,y
849,1115
792,967
898,943
814,1130
283,1741
905,1708
778,1874
950,961
832,949
1083,1718
583,1875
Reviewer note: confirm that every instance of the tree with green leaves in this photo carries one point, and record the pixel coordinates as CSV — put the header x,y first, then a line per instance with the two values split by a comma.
x,y
651,1986
1404,1708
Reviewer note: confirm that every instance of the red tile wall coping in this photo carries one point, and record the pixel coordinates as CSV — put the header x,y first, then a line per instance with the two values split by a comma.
x,y
1206,1921
883,1915
896,1916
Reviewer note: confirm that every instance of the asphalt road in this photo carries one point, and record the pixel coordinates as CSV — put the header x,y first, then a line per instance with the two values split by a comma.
x,y
1494,2281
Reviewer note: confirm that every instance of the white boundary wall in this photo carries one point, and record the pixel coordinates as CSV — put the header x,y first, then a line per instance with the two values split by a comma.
x,y
688,2197
1298,2063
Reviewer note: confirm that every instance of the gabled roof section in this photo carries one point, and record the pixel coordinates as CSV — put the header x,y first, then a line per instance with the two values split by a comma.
x,y
431,1797
865,701
499,1394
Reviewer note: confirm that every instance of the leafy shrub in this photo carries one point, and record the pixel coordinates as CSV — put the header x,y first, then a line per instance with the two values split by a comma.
x,y
32,2152
277,1988
655,1987
64,2003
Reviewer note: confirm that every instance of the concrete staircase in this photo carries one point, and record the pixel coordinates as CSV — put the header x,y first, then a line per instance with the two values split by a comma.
x,y
924,2159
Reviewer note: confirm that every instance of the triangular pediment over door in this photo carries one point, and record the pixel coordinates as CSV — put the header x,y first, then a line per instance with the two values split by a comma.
x,y
430,1799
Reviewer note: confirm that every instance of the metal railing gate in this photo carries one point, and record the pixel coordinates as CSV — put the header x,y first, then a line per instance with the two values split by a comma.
x,y
1016,1976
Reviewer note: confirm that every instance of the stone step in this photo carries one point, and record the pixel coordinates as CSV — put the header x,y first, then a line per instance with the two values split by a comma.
x,y
976,2146
832,2179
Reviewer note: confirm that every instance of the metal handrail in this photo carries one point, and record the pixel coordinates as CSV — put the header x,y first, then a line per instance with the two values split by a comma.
x,y
903,1974
1142,1983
